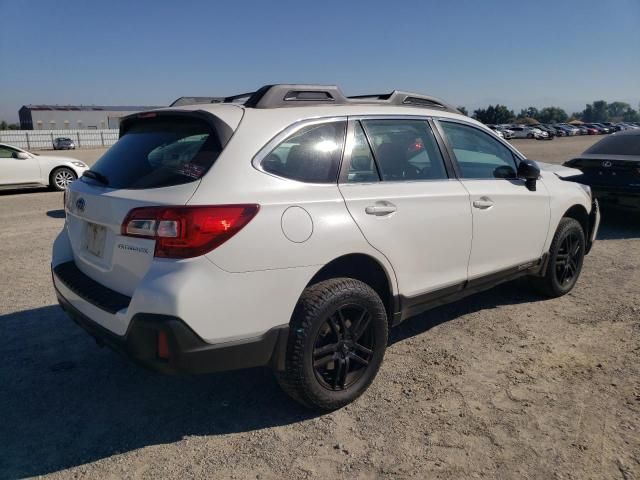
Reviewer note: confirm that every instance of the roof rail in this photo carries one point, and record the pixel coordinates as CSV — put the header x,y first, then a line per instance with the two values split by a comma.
x,y
294,95
399,97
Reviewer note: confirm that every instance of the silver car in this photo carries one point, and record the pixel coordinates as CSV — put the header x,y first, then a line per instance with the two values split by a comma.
x,y
63,143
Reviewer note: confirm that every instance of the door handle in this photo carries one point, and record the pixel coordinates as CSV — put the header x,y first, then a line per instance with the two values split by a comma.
x,y
380,209
483,203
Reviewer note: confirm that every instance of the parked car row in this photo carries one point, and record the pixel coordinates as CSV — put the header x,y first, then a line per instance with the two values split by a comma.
x,y
549,131
521,131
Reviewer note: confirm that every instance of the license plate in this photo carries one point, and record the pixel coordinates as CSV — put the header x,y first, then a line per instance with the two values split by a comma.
x,y
96,235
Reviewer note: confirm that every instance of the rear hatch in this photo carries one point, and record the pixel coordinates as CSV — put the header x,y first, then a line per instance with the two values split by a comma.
x,y
158,160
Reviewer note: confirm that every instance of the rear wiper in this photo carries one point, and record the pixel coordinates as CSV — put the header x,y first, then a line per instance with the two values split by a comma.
x,y
96,176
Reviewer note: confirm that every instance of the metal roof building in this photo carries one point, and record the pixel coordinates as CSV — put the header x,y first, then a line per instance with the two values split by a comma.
x,y
72,117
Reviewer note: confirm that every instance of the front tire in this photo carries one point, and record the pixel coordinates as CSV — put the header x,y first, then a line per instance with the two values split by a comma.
x,y
61,178
337,340
566,256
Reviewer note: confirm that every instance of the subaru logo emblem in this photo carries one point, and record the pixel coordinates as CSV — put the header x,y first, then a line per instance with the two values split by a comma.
x,y
606,164
80,204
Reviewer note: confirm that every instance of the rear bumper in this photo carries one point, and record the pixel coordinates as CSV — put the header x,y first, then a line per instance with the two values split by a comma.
x,y
188,353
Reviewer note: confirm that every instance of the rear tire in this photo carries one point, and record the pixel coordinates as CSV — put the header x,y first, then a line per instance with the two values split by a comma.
x,y
61,178
337,339
566,256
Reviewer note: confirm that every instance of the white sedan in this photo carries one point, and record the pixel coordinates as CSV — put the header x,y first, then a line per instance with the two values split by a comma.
x,y
21,169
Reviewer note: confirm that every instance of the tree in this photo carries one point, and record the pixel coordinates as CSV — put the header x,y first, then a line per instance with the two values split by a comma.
x,y
463,110
596,112
630,115
13,126
3,125
552,115
617,109
530,112
494,115
526,121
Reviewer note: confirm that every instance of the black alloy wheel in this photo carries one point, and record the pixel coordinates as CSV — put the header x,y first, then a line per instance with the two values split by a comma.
x,y
343,347
565,258
568,259
337,339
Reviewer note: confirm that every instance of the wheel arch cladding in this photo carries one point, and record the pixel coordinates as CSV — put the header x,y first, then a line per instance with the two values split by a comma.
x,y
579,213
364,268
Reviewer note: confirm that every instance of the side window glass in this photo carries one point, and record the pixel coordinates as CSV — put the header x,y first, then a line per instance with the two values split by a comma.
x,y
5,153
405,150
311,154
478,154
361,167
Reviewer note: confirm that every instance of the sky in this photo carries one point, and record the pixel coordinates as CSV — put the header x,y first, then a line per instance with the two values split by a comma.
x,y
469,52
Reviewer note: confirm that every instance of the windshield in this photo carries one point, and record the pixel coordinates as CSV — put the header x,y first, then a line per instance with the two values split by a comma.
x,y
159,152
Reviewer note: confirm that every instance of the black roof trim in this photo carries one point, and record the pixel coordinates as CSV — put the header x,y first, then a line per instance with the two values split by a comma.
x,y
294,95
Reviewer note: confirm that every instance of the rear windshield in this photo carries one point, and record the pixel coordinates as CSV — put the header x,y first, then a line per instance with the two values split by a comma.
x,y
159,152
617,145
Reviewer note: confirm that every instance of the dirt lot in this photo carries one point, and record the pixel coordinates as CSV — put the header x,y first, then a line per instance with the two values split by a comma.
x,y
501,385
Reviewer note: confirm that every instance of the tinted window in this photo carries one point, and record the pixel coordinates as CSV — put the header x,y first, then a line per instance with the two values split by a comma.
x,y
478,154
158,152
6,153
617,145
361,167
405,150
311,154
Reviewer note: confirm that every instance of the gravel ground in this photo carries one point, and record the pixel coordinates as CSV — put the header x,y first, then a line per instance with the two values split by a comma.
x,y
501,385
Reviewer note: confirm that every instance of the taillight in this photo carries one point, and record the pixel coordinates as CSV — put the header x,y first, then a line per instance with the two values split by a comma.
x,y
187,231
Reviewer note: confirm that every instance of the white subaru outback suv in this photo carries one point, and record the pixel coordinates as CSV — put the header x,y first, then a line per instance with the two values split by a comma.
x,y
294,228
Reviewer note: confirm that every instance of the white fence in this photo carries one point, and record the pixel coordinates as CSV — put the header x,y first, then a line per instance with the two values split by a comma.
x,y
43,139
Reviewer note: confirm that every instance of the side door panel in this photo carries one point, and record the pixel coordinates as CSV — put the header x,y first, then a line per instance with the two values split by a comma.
x,y
510,222
422,226
510,233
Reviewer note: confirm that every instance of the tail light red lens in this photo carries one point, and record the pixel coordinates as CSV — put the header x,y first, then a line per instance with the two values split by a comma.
x,y
187,231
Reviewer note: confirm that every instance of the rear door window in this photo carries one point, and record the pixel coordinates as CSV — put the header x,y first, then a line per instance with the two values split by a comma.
x,y
160,152
405,150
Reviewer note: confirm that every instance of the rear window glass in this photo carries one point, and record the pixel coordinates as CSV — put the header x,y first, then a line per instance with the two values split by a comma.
x,y
159,152
617,145
312,154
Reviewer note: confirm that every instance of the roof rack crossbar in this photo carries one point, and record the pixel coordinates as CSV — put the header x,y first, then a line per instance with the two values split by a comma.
x,y
293,95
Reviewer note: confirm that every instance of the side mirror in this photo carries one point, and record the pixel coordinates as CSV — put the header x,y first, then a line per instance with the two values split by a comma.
x,y
529,172
20,156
